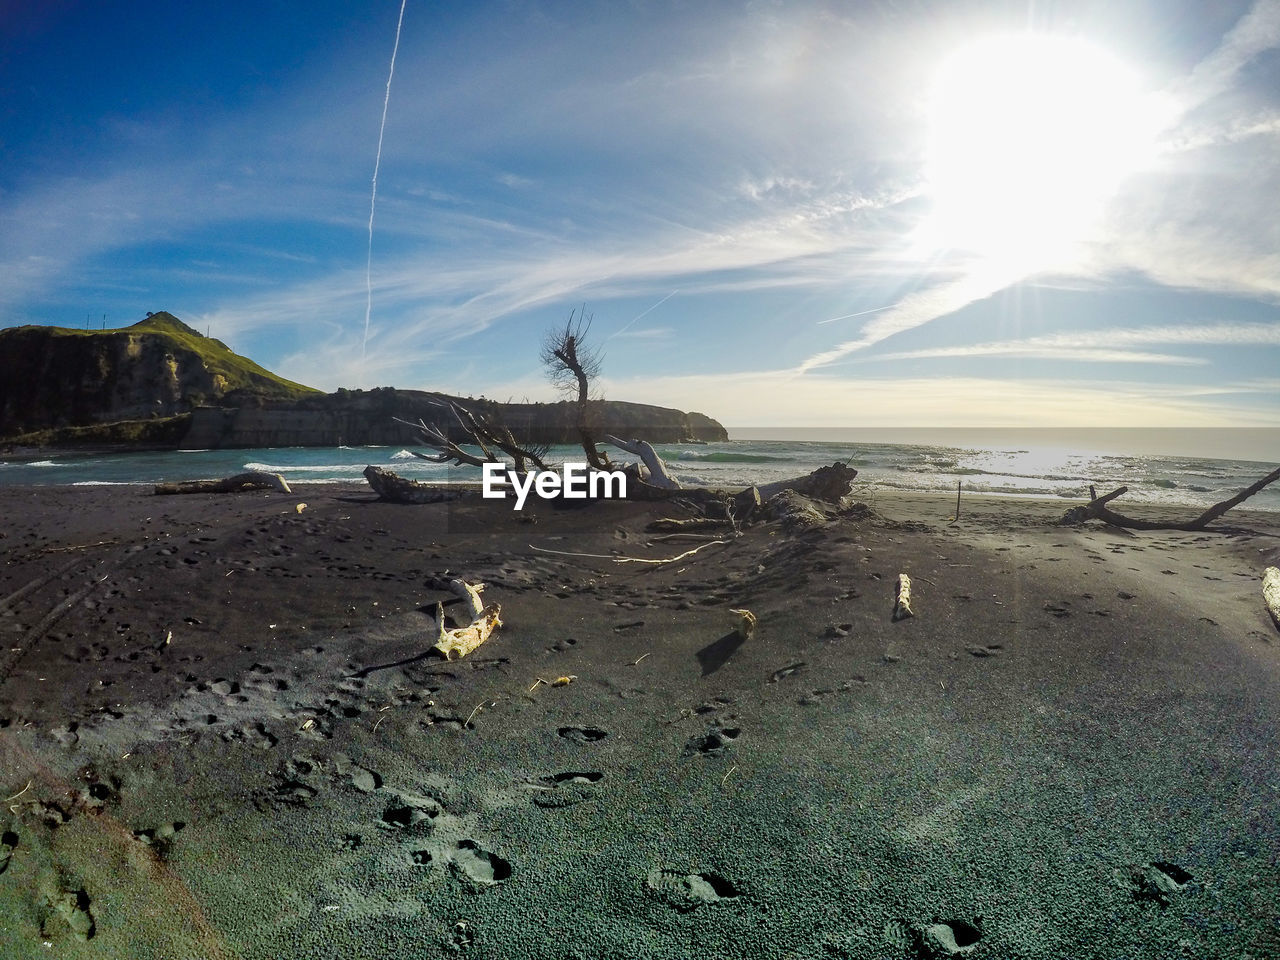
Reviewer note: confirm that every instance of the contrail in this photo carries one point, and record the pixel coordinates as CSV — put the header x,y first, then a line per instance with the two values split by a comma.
x,y
642,315
373,197
862,313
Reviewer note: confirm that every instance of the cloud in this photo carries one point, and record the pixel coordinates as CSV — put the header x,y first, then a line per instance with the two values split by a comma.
x,y
1256,32
1100,346
919,308
647,333
772,398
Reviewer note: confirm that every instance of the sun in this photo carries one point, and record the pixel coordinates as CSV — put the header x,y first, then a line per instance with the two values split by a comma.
x,y
1030,135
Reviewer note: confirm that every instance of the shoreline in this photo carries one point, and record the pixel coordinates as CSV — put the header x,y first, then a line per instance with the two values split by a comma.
x,y
1061,754
866,491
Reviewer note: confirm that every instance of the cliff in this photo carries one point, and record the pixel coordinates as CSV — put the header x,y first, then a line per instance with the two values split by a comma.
x,y
57,377
160,383
362,417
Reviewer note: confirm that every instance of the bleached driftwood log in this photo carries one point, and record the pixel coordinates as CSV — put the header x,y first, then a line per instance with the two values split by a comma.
x,y
829,483
460,641
902,604
241,481
745,625
1271,593
470,592
457,643
397,489
1097,509
658,476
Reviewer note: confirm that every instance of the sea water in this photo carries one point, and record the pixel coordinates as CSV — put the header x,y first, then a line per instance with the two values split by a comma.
x,y
1052,465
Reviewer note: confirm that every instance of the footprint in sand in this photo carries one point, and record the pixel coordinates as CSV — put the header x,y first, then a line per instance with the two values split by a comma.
x,y
688,891
410,811
73,907
1156,882
476,866
160,838
558,790
255,735
8,844
713,742
582,734
366,781
938,938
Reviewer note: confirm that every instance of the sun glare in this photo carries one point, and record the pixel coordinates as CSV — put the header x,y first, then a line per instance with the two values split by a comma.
x,y
1030,135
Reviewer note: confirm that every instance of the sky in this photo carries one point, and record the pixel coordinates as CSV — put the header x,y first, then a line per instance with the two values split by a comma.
x,y
880,214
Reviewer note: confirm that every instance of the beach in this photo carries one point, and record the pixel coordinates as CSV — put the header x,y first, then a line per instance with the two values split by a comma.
x,y
221,735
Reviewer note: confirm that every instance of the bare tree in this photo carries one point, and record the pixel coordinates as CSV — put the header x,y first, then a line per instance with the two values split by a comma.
x,y
572,366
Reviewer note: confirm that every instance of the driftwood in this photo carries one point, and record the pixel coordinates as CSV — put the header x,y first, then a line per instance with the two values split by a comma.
x,y
482,432
902,604
745,623
831,484
1271,593
457,643
685,526
241,481
397,489
658,475
1096,509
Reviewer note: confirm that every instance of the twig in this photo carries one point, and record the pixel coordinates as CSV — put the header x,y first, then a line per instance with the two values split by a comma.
x,y
79,546
479,707
726,776
642,656
680,536
20,792
599,556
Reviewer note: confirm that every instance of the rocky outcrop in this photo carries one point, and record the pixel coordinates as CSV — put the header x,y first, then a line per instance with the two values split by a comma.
x,y
145,383
358,417
57,377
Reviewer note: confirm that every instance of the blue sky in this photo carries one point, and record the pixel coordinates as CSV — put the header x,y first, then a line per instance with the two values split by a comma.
x,y
843,214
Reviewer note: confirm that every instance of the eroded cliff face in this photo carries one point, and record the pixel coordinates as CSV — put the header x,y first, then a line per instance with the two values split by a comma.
x,y
48,381
53,377
366,417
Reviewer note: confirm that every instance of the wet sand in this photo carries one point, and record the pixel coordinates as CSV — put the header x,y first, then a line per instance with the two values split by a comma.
x,y
219,736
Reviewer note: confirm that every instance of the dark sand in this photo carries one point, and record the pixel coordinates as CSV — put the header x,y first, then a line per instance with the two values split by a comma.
x,y
1070,751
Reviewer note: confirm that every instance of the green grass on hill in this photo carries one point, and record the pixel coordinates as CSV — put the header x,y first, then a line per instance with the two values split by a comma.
x,y
241,373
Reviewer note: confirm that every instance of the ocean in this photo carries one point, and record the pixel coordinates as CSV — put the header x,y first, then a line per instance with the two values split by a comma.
x,y
1052,465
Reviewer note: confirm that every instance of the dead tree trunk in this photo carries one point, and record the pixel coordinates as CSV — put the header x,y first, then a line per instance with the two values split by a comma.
x,y
572,364
1097,510
397,489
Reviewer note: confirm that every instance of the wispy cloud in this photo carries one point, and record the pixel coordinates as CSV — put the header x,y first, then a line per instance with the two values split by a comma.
x,y
773,398
919,308
1099,346
647,333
